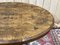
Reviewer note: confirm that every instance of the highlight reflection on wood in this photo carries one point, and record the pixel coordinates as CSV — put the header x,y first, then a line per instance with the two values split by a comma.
x,y
22,22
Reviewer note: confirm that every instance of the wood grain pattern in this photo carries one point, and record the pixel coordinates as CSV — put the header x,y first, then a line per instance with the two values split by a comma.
x,y
20,22
50,5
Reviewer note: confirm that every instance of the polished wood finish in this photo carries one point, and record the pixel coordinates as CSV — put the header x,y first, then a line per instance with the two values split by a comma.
x,y
21,22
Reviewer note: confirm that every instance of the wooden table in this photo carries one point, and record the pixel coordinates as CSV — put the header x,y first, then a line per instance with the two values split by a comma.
x,y
21,23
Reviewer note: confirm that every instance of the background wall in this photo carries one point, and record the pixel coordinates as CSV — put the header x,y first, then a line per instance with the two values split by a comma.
x,y
52,5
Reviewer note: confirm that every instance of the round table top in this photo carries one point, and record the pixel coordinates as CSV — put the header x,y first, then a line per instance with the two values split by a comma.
x,y
21,22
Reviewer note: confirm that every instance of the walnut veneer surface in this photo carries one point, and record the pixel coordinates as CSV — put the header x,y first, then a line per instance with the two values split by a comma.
x,y
20,22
